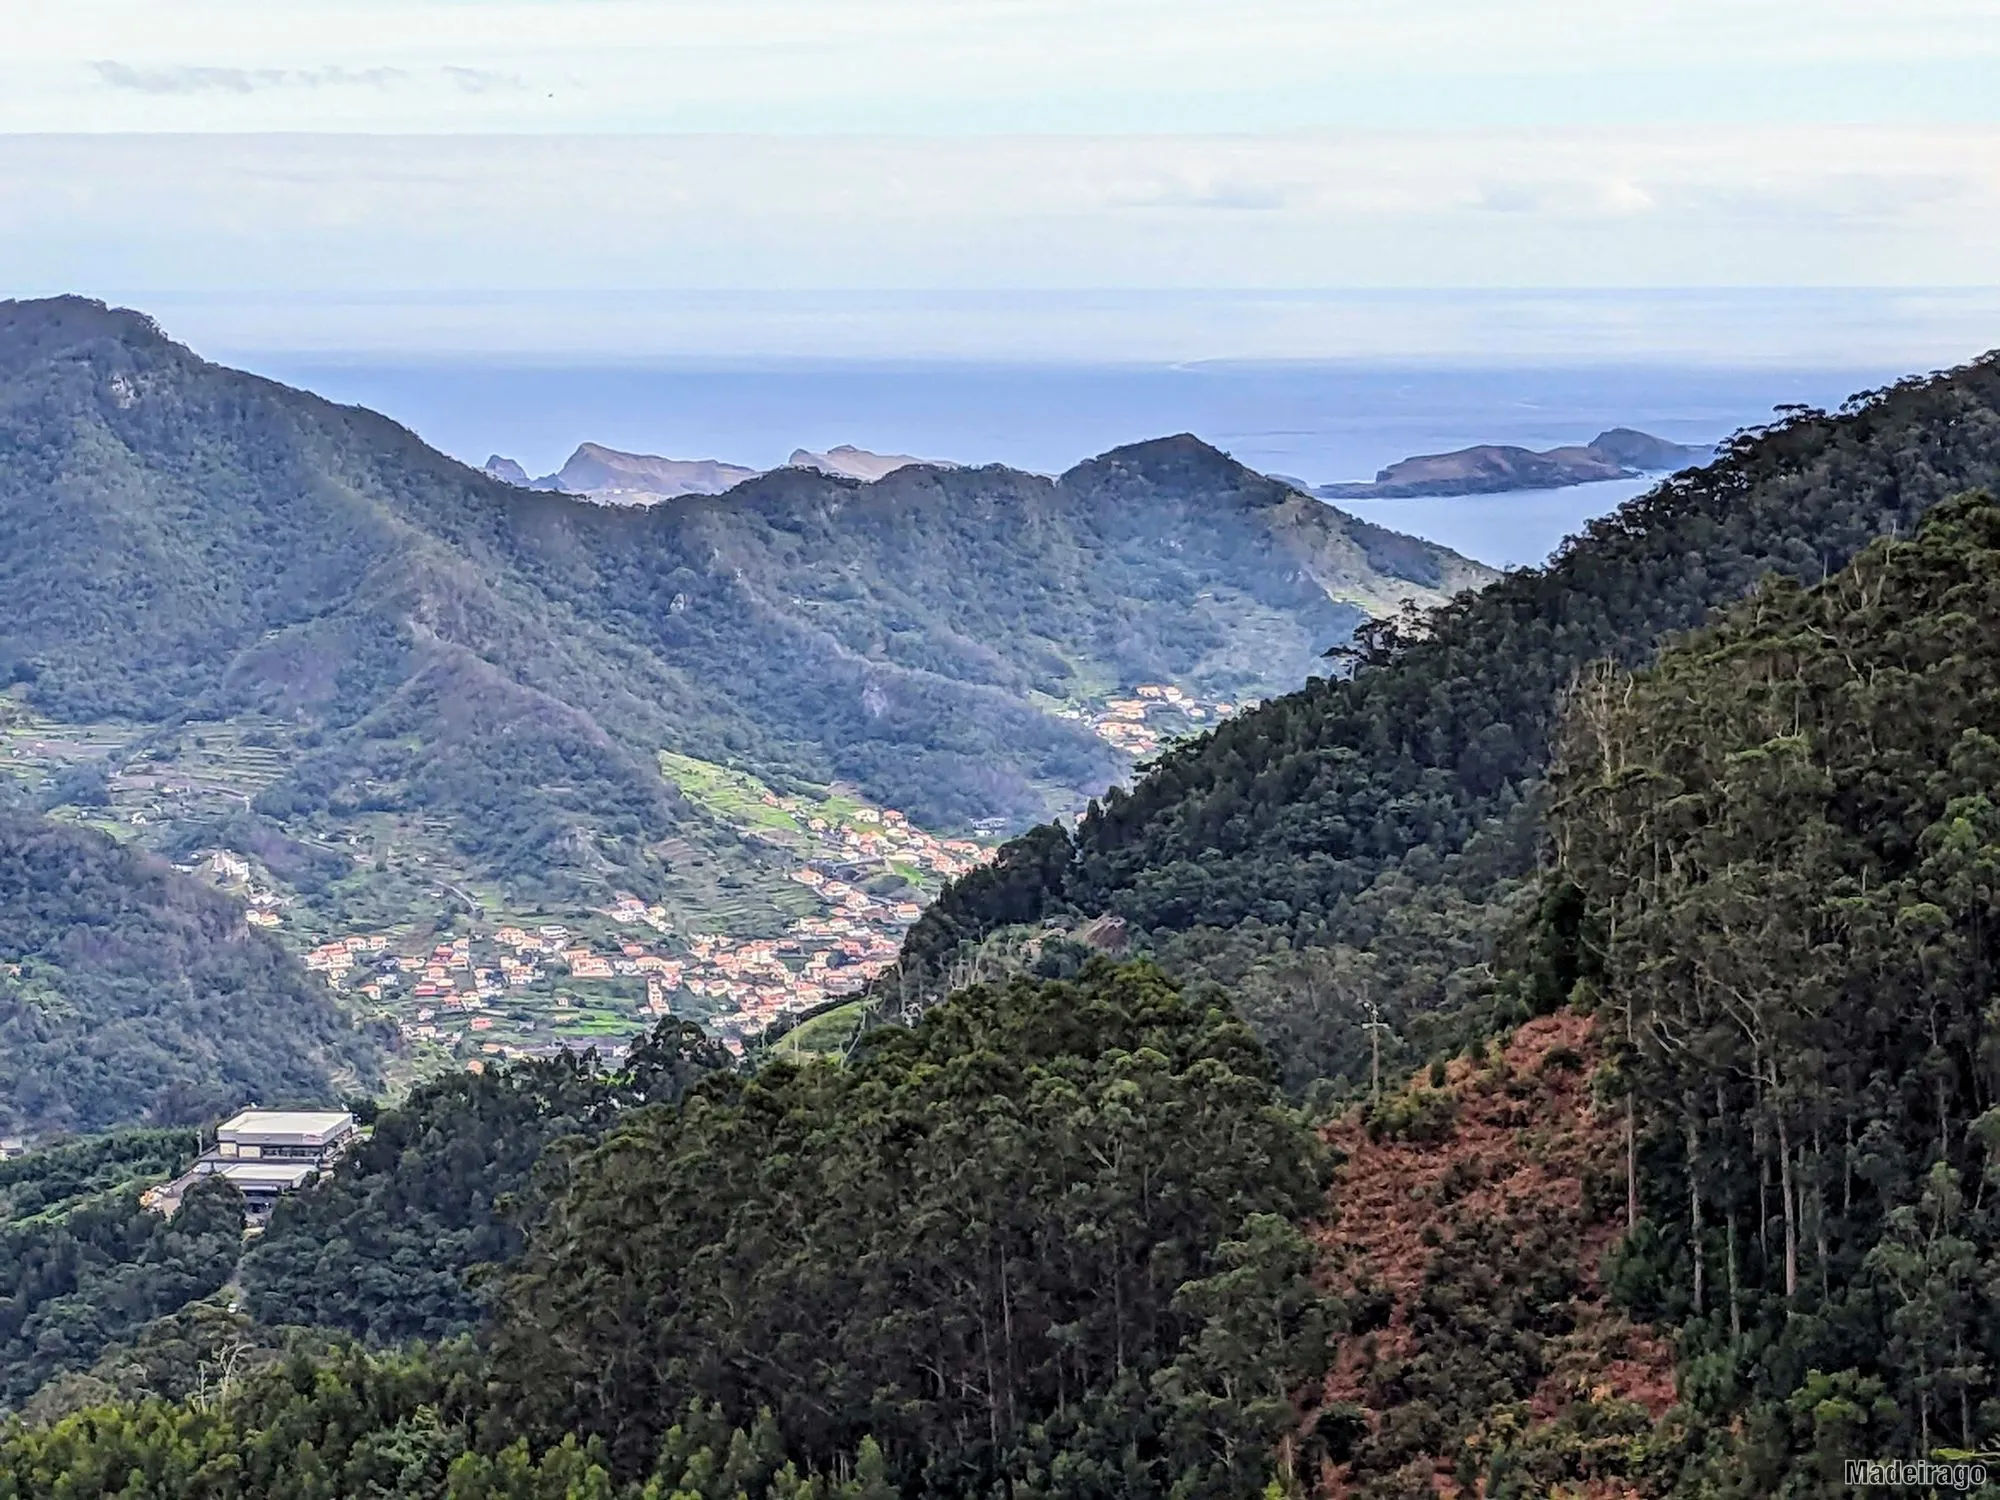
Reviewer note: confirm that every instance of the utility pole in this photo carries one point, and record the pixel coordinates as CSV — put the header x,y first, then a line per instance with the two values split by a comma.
x,y
1374,1026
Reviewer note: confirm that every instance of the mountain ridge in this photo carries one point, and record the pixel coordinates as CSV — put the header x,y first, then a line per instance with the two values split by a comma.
x,y
615,477
1387,821
858,463
433,639
1667,1180
637,478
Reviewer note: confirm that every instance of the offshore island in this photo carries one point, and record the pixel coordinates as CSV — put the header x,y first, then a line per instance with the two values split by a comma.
x,y
1492,468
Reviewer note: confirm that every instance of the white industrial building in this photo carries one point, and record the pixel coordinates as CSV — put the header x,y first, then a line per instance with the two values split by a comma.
x,y
266,1153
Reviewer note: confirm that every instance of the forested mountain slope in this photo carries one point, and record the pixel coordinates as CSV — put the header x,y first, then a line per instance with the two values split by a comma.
x,y
1386,818
103,1298
1466,1233
1044,1243
1715,1217
381,1246
84,1265
131,993
1782,842
191,541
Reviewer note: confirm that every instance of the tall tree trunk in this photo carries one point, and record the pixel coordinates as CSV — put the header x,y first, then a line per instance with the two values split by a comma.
x,y
1007,1340
1964,1399
1118,1315
1847,1171
1631,1103
1944,1118
1694,1206
1729,1204
1735,1302
1631,1167
1818,1179
1786,1187
1760,1145
986,1358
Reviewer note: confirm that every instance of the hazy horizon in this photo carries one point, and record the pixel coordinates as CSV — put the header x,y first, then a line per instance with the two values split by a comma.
x,y
1010,229
1900,328
1311,422
1806,182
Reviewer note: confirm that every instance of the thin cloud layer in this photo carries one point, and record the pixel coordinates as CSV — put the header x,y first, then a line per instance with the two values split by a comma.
x,y
1825,206
361,149
985,66
195,80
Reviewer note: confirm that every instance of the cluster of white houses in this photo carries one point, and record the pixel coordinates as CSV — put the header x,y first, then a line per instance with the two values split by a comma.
x,y
266,1153
1122,721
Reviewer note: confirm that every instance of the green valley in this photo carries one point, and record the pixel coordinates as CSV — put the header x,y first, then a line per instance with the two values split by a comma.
x,y
404,710
952,906
1554,1055
1349,854
284,558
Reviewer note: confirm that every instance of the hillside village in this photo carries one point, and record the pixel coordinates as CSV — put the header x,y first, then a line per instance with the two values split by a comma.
x,y
1155,713
523,987
494,982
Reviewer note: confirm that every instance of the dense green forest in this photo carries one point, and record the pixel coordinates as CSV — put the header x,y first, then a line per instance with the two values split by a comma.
x,y
57,1178
1353,850
390,1427
1044,1243
131,993
83,1265
1066,1237
1787,851
191,541
1673,933
1017,1240
383,1245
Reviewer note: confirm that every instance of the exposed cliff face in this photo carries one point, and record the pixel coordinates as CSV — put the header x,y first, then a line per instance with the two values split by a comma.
x,y
858,463
506,470
1492,467
1646,453
641,478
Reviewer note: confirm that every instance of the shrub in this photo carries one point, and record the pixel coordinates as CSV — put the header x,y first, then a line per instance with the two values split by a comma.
x,y
1421,1115
1561,1058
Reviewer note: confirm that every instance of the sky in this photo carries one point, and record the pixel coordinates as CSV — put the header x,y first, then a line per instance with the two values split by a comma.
x,y
1142,179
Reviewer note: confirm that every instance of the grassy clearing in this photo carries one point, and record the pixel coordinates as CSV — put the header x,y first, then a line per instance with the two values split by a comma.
x,y
825,1035
732,796
738,798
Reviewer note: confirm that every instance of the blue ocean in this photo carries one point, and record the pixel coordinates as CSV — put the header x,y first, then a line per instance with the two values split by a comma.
x,y
1312,422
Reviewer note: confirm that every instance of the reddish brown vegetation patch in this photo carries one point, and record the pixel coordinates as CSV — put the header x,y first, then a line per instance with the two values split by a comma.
x,y
1466,1234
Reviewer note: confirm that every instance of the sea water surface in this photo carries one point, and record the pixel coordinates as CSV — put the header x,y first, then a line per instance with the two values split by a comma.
x,y
1314,422
1517,529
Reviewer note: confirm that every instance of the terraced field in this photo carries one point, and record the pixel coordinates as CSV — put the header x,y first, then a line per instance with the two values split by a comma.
x,y
813,825
741,800
379,889
34,750
147,774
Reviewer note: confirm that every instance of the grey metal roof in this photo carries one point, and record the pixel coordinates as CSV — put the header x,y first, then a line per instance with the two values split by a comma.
x,y
268,1175
306,1127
